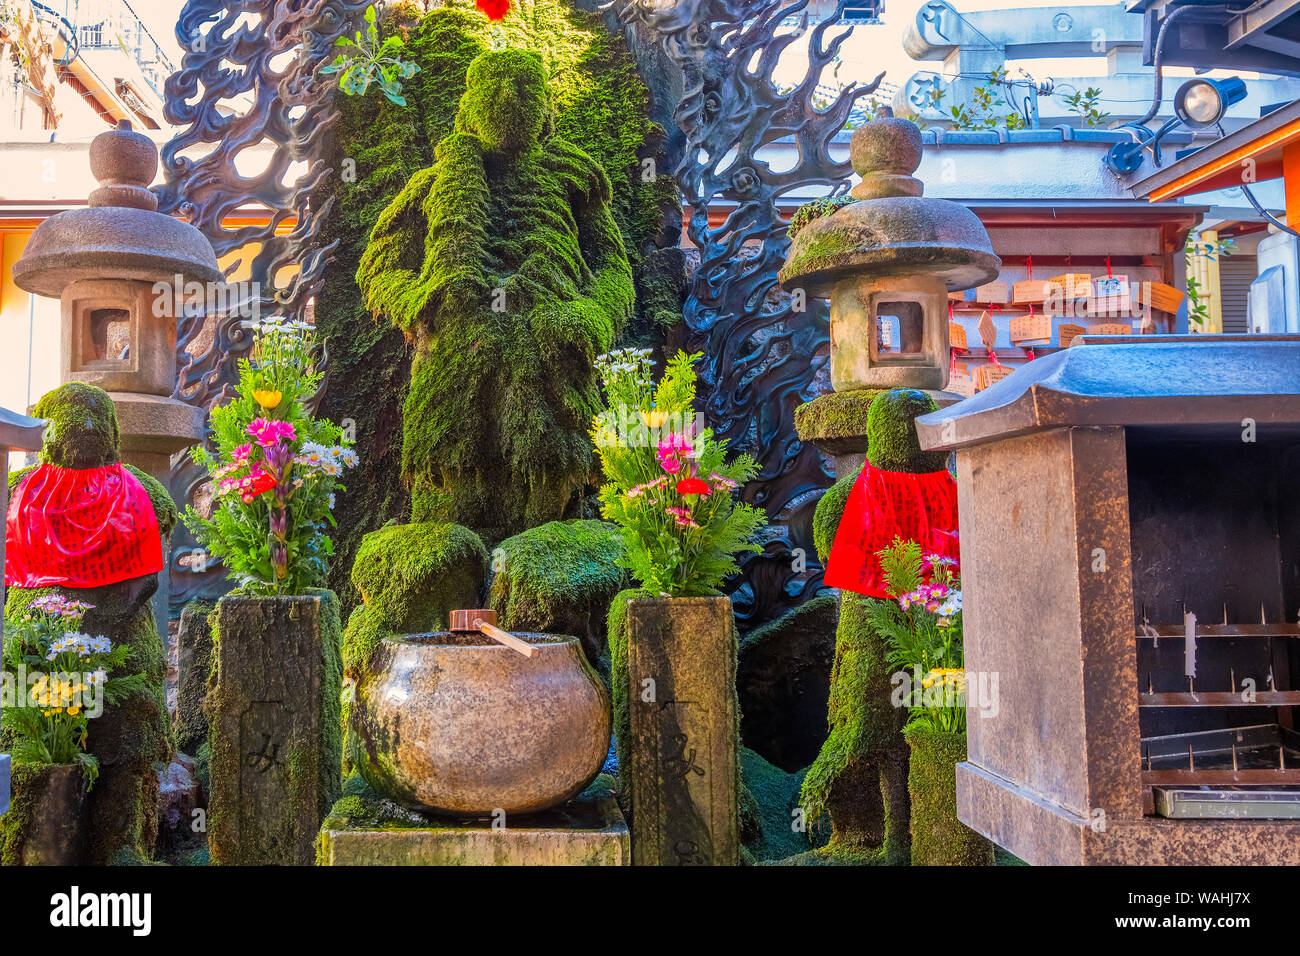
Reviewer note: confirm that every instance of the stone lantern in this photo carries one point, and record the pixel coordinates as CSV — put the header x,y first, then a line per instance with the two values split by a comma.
x,y
887,262
104,262
886,257
117,265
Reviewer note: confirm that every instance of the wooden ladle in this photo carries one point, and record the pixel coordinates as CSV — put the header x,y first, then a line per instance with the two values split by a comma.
x,y
485,619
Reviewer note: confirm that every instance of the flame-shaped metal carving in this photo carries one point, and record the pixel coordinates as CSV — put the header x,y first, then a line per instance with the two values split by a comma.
x,y
762,356
249,79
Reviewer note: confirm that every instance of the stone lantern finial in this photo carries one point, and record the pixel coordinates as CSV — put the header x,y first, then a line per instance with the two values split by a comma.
x,y
124,163
885,153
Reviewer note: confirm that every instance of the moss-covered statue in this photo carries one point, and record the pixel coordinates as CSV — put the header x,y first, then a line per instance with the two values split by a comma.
x,y
86,527
860,776
504,265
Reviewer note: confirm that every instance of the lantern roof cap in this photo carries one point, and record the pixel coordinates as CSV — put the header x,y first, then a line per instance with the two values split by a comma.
x,y
893,230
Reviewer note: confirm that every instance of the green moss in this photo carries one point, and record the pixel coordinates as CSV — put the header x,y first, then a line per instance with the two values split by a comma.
x,y
83,431
619,691
600,105
827,515
815,210
329,779
560,578
835,415
413,575
523,259
892,444
938,837
191,723
772,799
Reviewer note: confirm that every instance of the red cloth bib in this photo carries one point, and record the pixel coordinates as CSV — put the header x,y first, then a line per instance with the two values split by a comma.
x,y
917,507
80,528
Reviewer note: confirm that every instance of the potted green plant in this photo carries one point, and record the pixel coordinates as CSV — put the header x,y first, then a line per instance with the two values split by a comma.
x,y
275,469
63,680
671,489
923,628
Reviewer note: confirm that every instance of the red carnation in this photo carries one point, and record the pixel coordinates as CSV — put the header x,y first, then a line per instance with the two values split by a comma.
x,y
259,485
692,486
493,9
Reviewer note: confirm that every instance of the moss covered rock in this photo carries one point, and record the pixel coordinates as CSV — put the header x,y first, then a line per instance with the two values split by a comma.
x,y
836,421
559,578
783,681
938,837
132,737
772,823
892,444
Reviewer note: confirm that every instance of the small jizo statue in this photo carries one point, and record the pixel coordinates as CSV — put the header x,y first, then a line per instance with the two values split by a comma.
x,y
504,265
85,526
860,777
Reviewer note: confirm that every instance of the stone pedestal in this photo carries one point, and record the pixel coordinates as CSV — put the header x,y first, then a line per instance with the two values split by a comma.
x,y
276,735
587,831
682,699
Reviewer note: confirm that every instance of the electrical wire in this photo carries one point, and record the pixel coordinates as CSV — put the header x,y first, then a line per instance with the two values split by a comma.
x,y
1250,198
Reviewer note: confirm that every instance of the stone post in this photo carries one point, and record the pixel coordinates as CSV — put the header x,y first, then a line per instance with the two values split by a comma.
x,y
276,733
684,722
21,432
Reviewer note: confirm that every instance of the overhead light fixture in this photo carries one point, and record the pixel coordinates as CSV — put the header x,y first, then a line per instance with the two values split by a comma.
x,y
1200,103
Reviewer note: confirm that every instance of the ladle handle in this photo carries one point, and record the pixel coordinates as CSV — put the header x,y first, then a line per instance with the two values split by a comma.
x,y
506,638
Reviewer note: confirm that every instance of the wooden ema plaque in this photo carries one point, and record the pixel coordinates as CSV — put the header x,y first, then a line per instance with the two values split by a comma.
x,y
1068,332
961,384
991,292
1030,290
1035,327
1159,296
988,331
986,375
957,335
1110,296
1072,285
1111,328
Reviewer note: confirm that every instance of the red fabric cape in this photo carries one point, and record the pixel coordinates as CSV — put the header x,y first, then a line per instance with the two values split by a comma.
x,y
917,507
80,528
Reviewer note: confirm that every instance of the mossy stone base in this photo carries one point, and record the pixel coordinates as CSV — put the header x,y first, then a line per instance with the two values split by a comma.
x,y
276,733
364,830
559,578
836,421
938,837
46,826
130,738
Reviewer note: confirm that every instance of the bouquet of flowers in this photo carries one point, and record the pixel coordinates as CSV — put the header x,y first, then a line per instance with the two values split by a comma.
x,y
64,678
275,469
922,625
669,485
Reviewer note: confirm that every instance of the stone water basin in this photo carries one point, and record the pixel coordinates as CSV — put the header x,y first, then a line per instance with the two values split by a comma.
x,y
456,723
